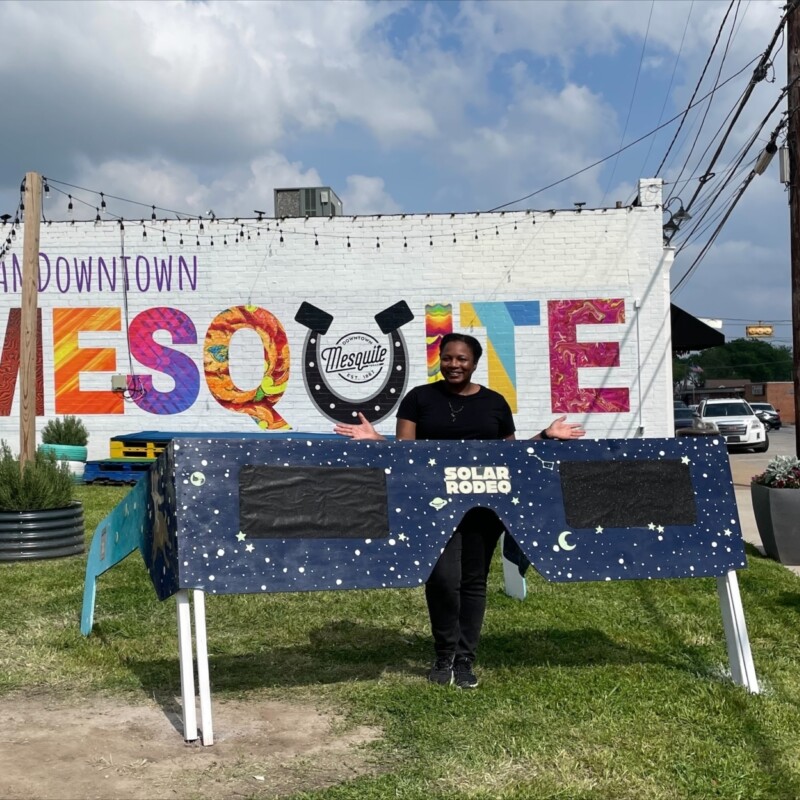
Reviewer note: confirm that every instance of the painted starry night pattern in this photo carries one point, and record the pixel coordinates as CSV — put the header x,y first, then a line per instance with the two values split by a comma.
x,y
425,499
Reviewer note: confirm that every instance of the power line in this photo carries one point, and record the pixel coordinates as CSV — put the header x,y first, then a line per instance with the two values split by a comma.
x,y
622,149
696,88
633,98
716,82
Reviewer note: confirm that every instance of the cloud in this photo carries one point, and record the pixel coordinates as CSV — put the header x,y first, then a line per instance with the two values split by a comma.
x,y
367,195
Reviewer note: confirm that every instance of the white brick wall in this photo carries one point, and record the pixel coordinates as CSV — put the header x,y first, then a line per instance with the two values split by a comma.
x,y
517,257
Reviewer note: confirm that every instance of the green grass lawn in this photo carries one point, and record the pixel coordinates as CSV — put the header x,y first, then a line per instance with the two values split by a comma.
x,y
587,691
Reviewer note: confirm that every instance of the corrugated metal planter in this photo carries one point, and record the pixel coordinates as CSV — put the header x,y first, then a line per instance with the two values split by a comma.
x,y
51,533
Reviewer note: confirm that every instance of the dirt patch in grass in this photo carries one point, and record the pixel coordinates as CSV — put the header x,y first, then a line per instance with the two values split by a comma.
x,y
51,749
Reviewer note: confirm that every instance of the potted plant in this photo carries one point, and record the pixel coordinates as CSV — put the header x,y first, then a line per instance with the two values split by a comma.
x,y
66,438
39,515
776,506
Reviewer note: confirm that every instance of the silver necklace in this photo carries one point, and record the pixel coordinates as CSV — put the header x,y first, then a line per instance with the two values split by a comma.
x,y
454,412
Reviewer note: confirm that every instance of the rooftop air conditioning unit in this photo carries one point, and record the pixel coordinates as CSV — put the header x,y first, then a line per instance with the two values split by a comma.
x,y
315,201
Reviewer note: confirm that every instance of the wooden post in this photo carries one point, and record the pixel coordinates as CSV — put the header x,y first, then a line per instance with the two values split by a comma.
x,y
28,332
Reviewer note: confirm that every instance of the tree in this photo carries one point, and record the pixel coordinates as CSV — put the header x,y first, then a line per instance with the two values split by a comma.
x,y
753,360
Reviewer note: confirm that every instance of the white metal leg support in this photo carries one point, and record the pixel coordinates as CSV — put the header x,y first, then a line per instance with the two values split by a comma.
x,y
187,665
204,684
740,657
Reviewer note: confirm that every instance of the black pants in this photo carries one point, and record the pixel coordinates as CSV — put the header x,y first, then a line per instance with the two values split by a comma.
x,y
456,589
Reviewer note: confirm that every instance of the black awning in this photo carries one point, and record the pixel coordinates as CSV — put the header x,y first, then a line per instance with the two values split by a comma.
x,y
689,333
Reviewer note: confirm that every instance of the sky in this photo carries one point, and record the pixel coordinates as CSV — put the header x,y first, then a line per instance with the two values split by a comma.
x,y
413,107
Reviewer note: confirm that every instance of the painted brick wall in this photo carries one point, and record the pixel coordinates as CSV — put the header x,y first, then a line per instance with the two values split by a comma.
x,y
551,295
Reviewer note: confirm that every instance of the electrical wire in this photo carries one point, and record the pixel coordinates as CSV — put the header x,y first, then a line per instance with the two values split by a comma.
x,y
626,147
630,105
669,88
708,106
696,88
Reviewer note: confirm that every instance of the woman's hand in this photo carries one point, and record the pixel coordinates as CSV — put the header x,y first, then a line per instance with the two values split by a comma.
x,y
561,429
364,430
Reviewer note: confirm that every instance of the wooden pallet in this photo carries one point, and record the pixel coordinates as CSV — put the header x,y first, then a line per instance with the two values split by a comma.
x,y
114,471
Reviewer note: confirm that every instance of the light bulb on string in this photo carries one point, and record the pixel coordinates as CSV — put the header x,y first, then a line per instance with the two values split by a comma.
x,y
97,218
225,240
212,241
496,230
102,201
281,232
378,242
181,242
198,241
163,237
46,190
476,235
153,215
405,242
316,241
69,205
348,242
144,233
454,237
202,227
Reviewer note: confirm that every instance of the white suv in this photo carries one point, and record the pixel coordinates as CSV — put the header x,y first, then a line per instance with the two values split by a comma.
x,y
736,422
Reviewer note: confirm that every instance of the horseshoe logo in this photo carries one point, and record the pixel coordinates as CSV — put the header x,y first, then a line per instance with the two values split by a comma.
x,y
334,406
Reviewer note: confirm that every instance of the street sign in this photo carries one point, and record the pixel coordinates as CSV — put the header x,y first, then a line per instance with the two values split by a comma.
x,y
759,331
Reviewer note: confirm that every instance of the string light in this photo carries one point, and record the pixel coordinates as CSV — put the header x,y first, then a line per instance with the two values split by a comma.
x,y
102,201
281,232
97,218
378,242
153,214
405,242
348,241
69,206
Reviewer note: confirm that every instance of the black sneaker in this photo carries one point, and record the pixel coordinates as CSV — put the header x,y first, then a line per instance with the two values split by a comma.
x,y
463,675
442,671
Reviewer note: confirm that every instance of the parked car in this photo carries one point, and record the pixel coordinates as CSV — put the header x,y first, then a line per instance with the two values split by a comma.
x,y
737,422
679,404
768,414
687,423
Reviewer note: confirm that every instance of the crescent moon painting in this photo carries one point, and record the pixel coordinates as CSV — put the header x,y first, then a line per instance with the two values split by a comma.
x,y
562,541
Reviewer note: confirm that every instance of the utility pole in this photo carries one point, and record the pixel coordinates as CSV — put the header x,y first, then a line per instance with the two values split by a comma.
x,y
793,140
28,332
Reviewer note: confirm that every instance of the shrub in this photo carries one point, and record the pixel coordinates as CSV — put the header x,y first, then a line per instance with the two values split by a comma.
x,y
782,472
44,483
69,430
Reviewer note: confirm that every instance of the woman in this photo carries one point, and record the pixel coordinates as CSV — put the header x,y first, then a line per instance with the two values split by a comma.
x,y
457,408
